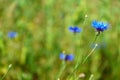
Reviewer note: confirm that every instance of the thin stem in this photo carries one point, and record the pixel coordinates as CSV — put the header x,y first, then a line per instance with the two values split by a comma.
x,y
74,43
84,59
61,70
91,77
96,36
86,16
76,67
10,66
89,50
89,54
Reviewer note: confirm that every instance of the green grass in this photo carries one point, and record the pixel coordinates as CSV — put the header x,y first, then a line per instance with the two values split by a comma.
x,y
42,27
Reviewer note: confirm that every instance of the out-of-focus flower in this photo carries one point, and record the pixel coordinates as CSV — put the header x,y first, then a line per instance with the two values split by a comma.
x,y
12,34
62,56
100,26
81,75
75,29
68,57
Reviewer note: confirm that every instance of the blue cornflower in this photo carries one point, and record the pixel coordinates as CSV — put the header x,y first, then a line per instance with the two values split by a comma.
x,y
100,26
75,29
62,56
68,57
12,34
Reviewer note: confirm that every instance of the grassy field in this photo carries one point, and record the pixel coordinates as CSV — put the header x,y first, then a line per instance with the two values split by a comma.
x,y
41,28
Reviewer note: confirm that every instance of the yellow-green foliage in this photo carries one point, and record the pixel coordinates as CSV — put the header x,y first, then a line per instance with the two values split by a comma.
x,y
42,27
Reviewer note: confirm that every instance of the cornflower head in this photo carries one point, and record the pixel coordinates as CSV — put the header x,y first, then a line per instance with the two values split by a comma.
x,y
75,29
66,57
12,34
100,26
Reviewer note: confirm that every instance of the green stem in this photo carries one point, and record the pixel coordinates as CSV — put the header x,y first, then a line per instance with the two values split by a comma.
x,y
89,54
61,70
91,77
89,50
96,36
10,66
79,63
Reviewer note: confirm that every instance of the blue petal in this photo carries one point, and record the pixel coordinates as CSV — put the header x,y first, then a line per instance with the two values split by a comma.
x,y
69,57
12,34
77,29
100,26
62,56
71,28
95,24
105,25
74,29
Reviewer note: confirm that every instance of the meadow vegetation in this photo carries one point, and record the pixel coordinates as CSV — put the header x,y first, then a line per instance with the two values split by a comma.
x,y
41,28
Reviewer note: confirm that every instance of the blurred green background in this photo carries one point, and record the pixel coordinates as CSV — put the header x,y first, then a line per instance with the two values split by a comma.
x,y
42,27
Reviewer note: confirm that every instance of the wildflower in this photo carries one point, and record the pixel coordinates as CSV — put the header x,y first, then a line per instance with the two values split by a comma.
x,y
75,29
62,56
68,57
100,26
81,75
12,34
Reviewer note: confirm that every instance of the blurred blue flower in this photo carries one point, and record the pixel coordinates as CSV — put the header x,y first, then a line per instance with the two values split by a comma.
x,y
12,34
62,56
75,29
100,26
68,57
